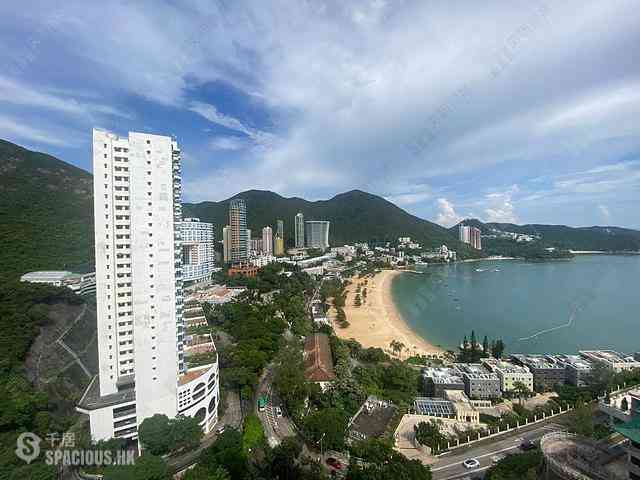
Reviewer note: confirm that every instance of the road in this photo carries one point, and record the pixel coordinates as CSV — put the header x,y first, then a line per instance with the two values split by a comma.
x,y
450,467
275,428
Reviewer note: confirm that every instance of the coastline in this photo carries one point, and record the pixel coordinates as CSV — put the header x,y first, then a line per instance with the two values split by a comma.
x,y
377,321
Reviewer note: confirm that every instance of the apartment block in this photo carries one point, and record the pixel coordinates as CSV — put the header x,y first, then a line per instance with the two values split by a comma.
x,y
509,374
547,371
436,380
479,382
143,369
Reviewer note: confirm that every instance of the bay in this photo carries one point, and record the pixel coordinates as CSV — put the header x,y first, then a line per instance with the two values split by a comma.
x,y
590,302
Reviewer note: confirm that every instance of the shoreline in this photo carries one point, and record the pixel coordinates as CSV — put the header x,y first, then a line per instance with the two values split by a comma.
x,y
377,321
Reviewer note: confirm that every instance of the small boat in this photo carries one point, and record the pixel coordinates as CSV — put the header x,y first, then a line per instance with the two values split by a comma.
x,y
480,269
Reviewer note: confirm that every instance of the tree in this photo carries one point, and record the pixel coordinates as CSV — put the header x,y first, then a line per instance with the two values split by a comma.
x,y
498,348
428,434
155,434
383,463
289,379
523,466
147,467
201,473
160,435
581,420
358,301
520,390
226,452
185,432
396,347
328,424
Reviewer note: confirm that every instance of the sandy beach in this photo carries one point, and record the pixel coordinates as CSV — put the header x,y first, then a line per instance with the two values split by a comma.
x,y
377,321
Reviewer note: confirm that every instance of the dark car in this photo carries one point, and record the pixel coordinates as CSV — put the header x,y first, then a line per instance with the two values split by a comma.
x,y
527,445
334,462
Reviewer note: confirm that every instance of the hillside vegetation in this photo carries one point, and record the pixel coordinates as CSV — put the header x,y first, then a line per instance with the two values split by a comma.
x,y
560,237
46,212
355,216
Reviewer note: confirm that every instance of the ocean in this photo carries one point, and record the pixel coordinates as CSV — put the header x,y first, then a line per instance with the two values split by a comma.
x,y
592,301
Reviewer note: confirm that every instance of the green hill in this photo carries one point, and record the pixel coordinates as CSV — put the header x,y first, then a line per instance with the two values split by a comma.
x,y
561,237
355,216
46,212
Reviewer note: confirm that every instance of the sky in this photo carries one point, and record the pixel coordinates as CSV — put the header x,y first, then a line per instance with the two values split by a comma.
x,y
520,111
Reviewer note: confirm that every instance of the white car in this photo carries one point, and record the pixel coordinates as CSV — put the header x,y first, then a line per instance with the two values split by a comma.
x,y
278,412
497,458
470,463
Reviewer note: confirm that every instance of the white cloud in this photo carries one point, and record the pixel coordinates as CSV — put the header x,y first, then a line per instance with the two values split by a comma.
x,y
227,143
447,215
604,211
499,206
13,129
12,92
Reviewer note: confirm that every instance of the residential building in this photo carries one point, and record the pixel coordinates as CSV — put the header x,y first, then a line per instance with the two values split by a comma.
x,y
226,244
198,254
278,243
453,405
299,231
624,412
479,383
470,235
255,246
238,226
509,374
267,240
142,368
79,283
613,360
547,370
577,369
243,269
318,362
317,234
436,380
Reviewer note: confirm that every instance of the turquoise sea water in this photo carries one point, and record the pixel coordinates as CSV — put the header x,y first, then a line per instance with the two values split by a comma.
x,y
592,301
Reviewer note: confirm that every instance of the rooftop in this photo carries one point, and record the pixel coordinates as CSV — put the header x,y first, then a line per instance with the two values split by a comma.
x,y
504,366
47,275
607,356
435,407
318,363
442,375
539,362
575,361
92,400
476,371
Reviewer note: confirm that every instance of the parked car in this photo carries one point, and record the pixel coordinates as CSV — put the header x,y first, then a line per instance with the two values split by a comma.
x,y
334,462
471,463
220,429
278,412
527,445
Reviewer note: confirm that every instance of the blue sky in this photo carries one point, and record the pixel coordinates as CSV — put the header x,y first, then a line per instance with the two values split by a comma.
x,y
523,111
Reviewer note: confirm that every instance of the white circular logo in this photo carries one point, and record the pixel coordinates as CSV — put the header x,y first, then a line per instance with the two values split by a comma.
x,y
28,446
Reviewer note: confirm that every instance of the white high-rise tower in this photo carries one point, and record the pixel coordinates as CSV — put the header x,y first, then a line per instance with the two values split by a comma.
x,y
141,334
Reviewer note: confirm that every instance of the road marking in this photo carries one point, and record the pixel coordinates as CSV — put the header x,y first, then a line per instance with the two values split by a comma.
x,y
444,467
464,474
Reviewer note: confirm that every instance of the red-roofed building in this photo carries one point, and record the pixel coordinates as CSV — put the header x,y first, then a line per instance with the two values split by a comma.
x,y
318,363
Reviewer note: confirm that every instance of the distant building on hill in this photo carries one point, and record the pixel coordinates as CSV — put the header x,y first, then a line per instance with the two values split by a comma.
x,y
267,240
470,235
226,244
198,255
299,231
80,283
317,234
238,225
